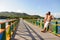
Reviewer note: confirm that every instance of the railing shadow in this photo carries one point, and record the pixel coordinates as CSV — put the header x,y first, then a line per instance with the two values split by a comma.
x,y
35,32
29,32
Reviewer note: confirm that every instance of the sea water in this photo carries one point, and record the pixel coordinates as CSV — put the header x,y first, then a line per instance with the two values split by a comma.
x,y
2,20
58,22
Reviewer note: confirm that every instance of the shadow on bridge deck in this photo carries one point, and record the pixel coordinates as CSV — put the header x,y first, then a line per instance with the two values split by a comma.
x,y
27,33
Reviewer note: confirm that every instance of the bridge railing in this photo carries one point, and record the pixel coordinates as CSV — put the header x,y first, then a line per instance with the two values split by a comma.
x,y
7,29
53,28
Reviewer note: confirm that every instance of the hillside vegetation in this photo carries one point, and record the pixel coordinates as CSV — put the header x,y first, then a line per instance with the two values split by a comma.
x,y
18,15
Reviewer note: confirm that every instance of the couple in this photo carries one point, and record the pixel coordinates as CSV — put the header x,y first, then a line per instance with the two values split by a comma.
x,y
47,21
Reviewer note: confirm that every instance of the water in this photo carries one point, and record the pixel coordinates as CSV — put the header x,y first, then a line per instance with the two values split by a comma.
x,y
58,22
2,20
58,29
53,22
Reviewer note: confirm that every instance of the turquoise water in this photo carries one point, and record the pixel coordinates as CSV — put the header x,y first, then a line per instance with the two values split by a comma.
x,y
53,22
2,20
58,22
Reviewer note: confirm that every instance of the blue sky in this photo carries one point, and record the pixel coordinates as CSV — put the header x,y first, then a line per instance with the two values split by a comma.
x,y
37,7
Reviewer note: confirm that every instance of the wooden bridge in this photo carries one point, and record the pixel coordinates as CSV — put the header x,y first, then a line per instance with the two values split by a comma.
x,y
23,30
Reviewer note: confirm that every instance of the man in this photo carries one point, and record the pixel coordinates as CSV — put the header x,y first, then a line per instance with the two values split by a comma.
x,y
47,21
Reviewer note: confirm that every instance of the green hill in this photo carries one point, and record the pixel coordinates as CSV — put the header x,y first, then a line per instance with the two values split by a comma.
x,y
18,15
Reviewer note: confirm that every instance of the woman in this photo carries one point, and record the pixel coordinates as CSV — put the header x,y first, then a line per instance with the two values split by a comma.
x,y
45,19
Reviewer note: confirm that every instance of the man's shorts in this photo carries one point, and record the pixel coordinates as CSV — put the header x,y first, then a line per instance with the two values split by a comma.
x,y
46,24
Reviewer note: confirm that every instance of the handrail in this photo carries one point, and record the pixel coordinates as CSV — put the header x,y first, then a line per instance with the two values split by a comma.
x,y
6,28
54,28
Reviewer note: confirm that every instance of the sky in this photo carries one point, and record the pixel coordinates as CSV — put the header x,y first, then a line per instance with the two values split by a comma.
x,y
32,7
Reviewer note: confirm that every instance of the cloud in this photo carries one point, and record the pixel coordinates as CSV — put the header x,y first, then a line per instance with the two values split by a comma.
x,y
57,15
18,11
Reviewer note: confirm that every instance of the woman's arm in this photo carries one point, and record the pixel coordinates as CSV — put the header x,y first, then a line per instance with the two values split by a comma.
x,y
45,19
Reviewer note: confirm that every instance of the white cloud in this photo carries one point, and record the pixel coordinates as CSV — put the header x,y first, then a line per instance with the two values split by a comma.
x,y
18,11
57,15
